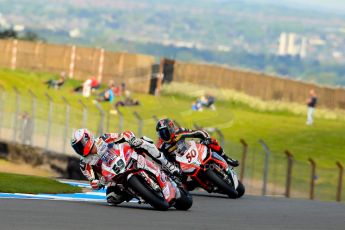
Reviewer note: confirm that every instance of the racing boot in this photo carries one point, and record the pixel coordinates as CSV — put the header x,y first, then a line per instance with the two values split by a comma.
x,y
116,196
230,161
171,168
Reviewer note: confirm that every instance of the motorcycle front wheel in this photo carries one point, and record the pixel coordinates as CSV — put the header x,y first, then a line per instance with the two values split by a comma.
x,y
141,188
185,202
214,177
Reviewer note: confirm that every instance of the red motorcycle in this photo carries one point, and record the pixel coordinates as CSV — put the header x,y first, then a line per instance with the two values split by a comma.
x,y
142,179
207,169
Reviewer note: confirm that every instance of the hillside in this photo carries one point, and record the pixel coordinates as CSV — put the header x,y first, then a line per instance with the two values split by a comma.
x,y
280,126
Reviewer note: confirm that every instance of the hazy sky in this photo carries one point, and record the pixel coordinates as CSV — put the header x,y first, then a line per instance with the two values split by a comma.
x,y
329,5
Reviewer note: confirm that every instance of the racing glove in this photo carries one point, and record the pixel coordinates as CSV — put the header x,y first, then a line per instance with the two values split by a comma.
x,y
130,138
96,184
135,142
207,141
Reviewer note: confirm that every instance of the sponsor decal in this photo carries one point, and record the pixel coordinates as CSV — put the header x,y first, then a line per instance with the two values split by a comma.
x,y
166,191
141,161
163,177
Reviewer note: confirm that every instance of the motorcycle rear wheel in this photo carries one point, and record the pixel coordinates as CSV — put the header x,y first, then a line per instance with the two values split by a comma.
x,y
240,189
147,193
216,179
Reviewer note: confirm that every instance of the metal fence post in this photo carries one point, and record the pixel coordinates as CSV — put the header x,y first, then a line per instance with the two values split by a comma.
x,y
2,106
120,120
84,113
108,123
155,118
50,114
312,179
100,129
244,157
140,123
266,166
340,180
33,116
289,173
67,118
16,115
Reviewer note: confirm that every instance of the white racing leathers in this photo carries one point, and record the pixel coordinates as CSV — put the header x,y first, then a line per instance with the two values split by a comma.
x,y
149,147
91,165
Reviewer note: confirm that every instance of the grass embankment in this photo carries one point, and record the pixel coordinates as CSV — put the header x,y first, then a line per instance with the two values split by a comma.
x,y
280,125
24,169
15,183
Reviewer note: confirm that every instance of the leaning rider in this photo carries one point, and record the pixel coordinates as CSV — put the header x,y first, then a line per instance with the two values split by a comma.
x,y
92,149
169,135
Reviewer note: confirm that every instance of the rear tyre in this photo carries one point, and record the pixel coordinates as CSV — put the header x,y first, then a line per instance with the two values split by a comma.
x,y
240,189
218,181
140,187
185,202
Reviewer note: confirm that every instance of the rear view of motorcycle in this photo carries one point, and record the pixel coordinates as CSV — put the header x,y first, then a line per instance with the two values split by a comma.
x,y
139,178
207,169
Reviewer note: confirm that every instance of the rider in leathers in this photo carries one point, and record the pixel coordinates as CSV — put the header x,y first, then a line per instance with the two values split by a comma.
x,y
169,135
91,151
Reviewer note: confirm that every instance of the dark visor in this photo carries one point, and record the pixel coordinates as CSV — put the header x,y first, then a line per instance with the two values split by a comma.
x,y
164,134
79,148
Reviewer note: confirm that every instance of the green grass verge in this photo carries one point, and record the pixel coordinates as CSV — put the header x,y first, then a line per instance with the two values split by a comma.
x,y
15,183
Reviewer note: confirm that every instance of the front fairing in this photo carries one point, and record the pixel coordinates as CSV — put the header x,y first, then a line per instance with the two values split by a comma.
x,y
116,160
193,157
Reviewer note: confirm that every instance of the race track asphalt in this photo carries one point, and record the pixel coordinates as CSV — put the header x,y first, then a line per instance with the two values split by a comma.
x,y
208,212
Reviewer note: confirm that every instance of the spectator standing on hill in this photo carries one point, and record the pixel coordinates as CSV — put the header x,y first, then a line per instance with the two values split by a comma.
x,y
311,103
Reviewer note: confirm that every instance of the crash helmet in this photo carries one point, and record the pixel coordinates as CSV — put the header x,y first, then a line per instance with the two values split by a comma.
x,y
165,129
82,142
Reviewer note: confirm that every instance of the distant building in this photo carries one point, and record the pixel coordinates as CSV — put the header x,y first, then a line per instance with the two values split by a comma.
x,y
75,33
3,22
291,47
18,28
282,50
303,48
292,44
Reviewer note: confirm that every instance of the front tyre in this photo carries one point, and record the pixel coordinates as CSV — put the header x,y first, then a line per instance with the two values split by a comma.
x,y
141,188
185,202
219,182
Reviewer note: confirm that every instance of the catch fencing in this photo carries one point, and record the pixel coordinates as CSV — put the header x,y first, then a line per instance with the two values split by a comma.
x,y
39,121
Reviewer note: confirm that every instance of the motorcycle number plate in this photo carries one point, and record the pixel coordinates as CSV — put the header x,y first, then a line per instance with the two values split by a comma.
x,y
190,156
119,166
